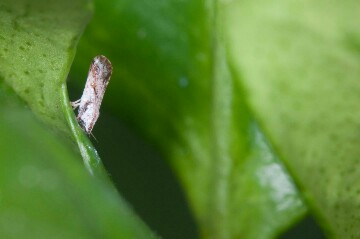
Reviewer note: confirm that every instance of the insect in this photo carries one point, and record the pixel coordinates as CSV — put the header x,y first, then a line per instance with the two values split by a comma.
x,y
89,104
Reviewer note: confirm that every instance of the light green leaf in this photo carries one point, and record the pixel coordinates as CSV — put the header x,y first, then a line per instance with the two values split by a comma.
x,y
37,47
38,43
299,62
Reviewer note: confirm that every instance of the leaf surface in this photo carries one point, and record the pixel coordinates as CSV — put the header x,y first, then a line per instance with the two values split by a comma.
x,y
299,64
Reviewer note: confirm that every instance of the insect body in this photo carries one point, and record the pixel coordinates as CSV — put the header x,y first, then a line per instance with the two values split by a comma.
x,y
90,101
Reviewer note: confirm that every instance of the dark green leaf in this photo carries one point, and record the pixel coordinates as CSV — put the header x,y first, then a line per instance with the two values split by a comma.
x,y
45,191
171,82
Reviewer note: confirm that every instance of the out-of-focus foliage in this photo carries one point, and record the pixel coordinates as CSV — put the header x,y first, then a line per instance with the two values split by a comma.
x,y
45,191
199,80
300,65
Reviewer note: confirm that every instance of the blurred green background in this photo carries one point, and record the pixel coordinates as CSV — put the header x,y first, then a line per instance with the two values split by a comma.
x,y
222,119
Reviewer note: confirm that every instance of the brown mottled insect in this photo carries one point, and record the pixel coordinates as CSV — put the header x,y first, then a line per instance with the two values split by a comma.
x,y
90,101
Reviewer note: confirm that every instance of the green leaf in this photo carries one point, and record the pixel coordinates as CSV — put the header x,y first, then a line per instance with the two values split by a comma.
x,y
44,190
38,41
172,83
300,65
37,47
